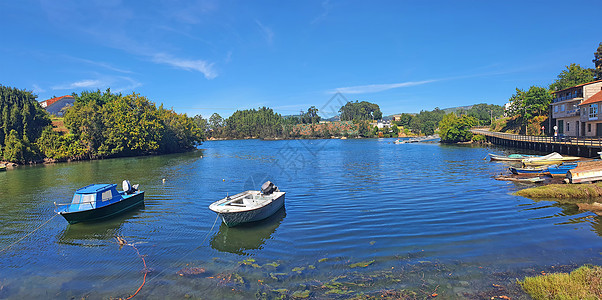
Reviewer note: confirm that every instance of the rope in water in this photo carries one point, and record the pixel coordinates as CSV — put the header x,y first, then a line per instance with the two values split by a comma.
x,y
19,240
145,272
144,262
188,254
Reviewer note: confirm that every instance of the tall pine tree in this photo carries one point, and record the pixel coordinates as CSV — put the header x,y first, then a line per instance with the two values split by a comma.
x,y
598,63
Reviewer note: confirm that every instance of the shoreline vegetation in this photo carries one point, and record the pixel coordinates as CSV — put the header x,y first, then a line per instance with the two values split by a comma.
x,y
563,191
582,283
108,125
99,125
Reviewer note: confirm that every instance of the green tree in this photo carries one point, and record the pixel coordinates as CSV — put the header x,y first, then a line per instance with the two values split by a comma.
x,y
573,75
86,121
109,125
364,129
426,122
180,132
311,116
60,147
598,63
21,113
404,120
526,105
201,124
395,130
484,113
453,129
216,124
360,111
15,150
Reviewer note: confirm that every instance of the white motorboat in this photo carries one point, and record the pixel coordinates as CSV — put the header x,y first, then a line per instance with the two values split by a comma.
x,y
249,206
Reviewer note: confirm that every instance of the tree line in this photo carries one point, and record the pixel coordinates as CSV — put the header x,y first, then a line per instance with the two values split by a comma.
x,y
100,124
265,123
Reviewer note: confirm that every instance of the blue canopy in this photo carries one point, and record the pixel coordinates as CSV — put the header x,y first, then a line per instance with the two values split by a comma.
x,y
94,196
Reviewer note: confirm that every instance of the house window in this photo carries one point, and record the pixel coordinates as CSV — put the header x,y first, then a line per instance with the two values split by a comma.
x,y
568,126
562,107
555,108
589,127
593,111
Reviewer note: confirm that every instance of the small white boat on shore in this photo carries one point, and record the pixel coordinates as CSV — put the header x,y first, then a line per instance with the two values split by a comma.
x,y
249,206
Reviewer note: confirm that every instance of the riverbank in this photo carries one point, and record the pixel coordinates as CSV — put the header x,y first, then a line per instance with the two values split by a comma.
x,y
563,191
582,283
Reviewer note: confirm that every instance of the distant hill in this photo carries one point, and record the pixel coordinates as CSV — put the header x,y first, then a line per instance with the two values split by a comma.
x,y
454,109
446,110
389,117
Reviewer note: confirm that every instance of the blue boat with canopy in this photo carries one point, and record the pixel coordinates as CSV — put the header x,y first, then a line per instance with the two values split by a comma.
x,y
98,201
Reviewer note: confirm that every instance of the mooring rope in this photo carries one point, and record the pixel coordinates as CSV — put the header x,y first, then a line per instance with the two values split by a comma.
x,y
188,254
19,240
146,271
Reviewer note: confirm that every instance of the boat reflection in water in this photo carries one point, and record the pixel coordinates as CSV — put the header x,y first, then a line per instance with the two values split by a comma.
x,y
86,233
248,236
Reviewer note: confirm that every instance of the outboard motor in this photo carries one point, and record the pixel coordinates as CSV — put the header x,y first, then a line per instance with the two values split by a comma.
x,y
127,186
268,187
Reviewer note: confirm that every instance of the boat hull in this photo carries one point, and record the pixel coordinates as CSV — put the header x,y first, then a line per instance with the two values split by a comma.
x,y
585,173
232,219
517,157
527,171
106,211
544,162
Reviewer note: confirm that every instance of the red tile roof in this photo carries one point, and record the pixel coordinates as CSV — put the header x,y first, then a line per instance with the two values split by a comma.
x,y
51,101
580,85
597,97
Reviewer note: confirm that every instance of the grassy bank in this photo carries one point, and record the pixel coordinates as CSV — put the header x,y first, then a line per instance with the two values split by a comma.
x,y
582,283
563,191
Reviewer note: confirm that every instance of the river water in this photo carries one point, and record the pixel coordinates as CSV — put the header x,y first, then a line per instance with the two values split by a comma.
x,y
362,217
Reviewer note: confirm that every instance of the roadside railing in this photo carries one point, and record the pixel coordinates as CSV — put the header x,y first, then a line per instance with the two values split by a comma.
x,y
563,140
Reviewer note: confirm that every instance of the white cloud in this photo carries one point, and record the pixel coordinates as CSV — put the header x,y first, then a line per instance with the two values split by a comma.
x,y
116,83
374,88
267,32
130,85
100,64
326,7
37,89
190,65
87,83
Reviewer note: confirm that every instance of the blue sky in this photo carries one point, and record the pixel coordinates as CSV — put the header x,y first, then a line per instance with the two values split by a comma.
x,y
200,57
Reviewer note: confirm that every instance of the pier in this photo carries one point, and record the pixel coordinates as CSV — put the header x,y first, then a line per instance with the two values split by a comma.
x,y
577,146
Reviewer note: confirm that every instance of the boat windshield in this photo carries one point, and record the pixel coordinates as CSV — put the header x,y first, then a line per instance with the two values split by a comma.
x,y
83,201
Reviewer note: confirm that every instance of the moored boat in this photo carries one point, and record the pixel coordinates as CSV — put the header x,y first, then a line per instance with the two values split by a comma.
x,y
585,172
2,167
528,171
560,170
523,180
550,159
249,206
511,157
98,201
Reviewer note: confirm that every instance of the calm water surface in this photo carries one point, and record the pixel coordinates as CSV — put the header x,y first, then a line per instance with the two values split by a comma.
x,y
361,216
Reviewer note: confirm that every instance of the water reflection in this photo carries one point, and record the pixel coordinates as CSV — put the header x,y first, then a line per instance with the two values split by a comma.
x,y
245,237
82,234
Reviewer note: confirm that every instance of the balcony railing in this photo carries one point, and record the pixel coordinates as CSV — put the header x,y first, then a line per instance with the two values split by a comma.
x,y
569,97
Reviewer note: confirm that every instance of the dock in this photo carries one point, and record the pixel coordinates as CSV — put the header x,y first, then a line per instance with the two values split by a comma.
x,y
577,146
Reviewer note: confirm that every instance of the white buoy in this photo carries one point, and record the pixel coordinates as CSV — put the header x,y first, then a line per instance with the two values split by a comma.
x,y
163,180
